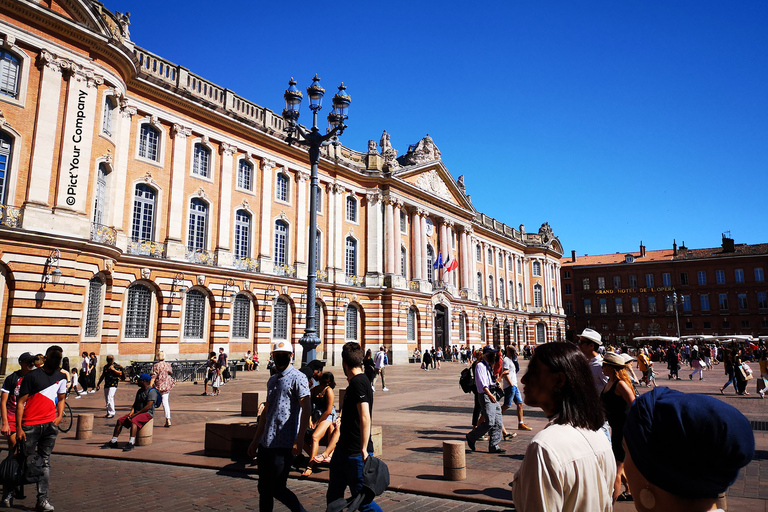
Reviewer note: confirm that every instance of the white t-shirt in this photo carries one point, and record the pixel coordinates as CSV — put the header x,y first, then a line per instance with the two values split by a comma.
x,y
566,469
596,365
507,365
380,359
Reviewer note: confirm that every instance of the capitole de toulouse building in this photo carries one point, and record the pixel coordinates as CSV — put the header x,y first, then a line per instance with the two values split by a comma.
x,y
720,291
146,208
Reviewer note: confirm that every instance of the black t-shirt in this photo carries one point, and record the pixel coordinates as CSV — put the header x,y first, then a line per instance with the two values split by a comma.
x,y
358,391
142,397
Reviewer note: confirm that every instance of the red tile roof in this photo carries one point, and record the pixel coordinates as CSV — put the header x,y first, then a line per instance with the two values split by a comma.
x,y
666,255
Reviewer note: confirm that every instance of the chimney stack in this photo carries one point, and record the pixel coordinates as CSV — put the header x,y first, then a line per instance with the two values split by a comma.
x,y
728,245
674,247
642,249
573,256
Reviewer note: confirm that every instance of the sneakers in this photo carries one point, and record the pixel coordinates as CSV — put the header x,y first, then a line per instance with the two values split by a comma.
x,y
385,389
109,444
7,501
129,447
509,435
78,396
523,426
44,506
496,449
91,391
470,442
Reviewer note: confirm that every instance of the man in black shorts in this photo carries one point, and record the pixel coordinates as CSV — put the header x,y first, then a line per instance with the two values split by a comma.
x,y
355,444
39,411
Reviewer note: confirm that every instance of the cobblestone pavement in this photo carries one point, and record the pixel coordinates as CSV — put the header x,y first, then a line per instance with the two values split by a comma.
x,y
79,483
421,410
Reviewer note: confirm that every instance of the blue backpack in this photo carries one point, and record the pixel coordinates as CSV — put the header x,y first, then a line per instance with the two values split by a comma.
x,y
159,399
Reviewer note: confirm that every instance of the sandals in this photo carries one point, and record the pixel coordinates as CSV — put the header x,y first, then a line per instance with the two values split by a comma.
x,y
625,496
307,472
321,459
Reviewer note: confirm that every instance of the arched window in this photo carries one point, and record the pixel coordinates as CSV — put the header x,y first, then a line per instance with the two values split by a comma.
x,y
149,142
462,327
430,263
101,194
9,74
478,252
411,325
501,292
496,333
194,315
507,336
241,317
553,292
351,209
403,262
6,146
143,213
93,313
490,256
109,110
501,260
244,174
482,330
198,225
351,256
520,294
242,234
281,188
319,319
479,286
137,312
540,333
536,268
281,242
351,330
201,164
516,334
490,289
511,297
280,320
537,299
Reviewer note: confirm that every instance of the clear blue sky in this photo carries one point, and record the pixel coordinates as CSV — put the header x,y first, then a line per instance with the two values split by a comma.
x,y
614,121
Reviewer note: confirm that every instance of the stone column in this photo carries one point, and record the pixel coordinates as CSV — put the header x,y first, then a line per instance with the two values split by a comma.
x,y
416,254
527,284
472,251
396,206
375,239
451,276
463,259
174,244
389,236
224,255
558,289
331,234
340,236
485,273
303,236
442,250
518,298
266,264
424,272
510,294
119,191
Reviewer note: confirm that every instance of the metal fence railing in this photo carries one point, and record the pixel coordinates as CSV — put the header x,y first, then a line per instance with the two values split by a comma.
x,y
183,371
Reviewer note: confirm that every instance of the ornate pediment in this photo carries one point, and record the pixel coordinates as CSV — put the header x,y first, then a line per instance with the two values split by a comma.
x,y
432,182
423,151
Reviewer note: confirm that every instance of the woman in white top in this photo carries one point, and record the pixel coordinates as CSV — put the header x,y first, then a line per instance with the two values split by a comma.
x,y
569,466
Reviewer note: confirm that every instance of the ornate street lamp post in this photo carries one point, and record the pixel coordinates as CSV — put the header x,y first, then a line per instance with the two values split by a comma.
x,y
314,140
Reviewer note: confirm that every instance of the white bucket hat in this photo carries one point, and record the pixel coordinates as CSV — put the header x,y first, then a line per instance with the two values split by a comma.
x,y
591,335
282,346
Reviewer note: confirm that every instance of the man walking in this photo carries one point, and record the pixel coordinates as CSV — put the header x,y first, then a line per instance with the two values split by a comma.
x,y
589,343
355,444
280,435
223,366
380,361
142,411
511,391
110,376
39,411
490,407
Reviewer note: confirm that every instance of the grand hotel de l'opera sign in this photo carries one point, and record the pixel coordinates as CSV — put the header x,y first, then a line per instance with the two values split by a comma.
x,y
146,208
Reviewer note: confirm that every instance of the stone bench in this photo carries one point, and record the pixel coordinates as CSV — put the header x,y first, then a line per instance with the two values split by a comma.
x,y
229,440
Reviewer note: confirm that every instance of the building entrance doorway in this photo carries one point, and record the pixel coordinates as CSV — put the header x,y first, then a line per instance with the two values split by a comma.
x,y
441,326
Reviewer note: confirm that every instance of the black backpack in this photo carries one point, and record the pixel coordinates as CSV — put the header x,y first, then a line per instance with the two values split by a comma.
x,y
466,381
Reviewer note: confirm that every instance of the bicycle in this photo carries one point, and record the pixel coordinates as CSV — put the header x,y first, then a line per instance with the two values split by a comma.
x,y
66,422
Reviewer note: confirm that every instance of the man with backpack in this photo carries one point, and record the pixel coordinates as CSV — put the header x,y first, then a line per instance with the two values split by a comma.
x,y
142,411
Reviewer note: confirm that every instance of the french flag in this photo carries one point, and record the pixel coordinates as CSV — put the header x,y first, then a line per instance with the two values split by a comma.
x,y
451,264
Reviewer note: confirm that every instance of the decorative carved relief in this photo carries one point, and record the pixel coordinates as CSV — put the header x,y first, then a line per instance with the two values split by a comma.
x,y
245,204
268,165
424,151
146,273
285,290
301,176
247,286
200,280
109,264
545,231
227,149
372,148
180,131
373,197
432,183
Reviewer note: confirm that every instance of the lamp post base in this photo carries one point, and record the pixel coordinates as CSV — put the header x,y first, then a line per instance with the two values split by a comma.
x,y
309,343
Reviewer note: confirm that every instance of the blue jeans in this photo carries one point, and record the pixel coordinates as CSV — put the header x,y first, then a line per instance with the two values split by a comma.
x,y
41,438
347,470
273,466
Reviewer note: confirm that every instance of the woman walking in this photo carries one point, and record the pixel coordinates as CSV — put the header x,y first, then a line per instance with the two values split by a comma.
x,y
617,396
163,381
569,466
730,370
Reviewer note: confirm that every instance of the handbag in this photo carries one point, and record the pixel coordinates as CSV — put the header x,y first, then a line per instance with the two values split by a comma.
x,y
10,469
498,393
32,465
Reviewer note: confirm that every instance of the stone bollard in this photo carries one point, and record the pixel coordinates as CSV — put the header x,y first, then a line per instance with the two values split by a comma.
x,y
84,426
144,436
249,404
454,461
376,439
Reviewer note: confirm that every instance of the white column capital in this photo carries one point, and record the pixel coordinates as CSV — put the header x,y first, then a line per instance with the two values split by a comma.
x,y
227,149
302,176
372,198
267,165
179,131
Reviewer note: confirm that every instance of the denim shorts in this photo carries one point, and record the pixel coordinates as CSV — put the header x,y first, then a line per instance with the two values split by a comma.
x,y
512,394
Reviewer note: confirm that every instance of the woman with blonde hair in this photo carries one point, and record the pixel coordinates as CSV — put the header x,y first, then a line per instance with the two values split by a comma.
x,y
617,396
163,381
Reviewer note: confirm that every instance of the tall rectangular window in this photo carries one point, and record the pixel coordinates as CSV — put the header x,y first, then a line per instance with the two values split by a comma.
x,y
649,280
686,302
9,75
759,277
567,288
351,330
616,282
739,274
351,256
143,213
601,283
242,234
666,279
619,303
281,188
244,175
569,308
194,315
683,278
198,223
635,305
241,317
109,109
351,209
93,314
702,277
149,143
137,312
585,284
722,298
402,222
281,242
603,307
478,253
720,276
587,307
742,298
633,281
651,305
704,298
762,300
201,163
